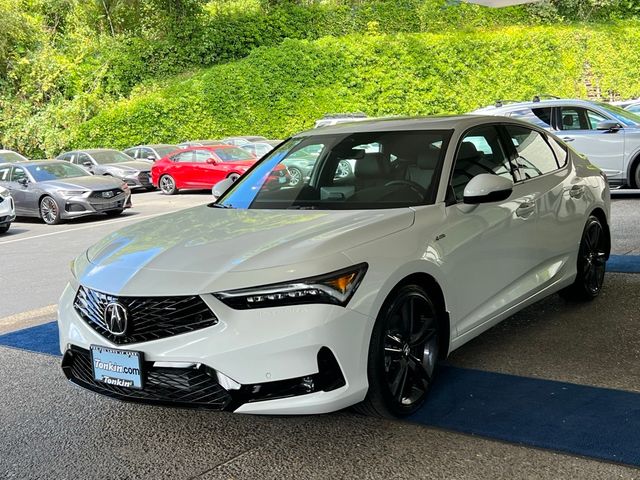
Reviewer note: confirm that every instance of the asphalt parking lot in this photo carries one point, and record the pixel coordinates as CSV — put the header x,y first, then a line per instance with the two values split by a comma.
x,y
64,432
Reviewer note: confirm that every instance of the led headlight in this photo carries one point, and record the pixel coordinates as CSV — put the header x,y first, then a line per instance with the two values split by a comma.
x,y
335,288
72,193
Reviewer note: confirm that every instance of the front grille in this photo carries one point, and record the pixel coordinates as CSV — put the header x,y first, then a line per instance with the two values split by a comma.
x,y
144,178
110,193
149,318
103,206
187,387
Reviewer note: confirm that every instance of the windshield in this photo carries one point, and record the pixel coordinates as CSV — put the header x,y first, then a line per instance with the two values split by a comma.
x,y
627,118
233,154
55,171
10,157
367,170
110,156
166,150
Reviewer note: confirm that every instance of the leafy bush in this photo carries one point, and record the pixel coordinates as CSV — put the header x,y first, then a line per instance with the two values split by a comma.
x,y
280,90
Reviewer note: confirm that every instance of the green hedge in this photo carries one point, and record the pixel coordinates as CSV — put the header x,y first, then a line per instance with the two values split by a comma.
x,y
280,90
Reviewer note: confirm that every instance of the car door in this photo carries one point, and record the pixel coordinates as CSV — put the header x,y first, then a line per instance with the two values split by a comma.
x,y
578,127
485,246
558,197
181,169
209,171
22,193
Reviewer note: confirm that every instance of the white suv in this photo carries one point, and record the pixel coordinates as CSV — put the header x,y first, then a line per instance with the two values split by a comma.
x,y
608,135
7,210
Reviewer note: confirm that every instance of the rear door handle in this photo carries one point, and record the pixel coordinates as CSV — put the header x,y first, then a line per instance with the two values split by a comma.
x,y
568,139
576,191
525,209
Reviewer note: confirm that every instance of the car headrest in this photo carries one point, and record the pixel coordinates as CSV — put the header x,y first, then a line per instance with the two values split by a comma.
x,y
468,150
372,165
567,120
428,159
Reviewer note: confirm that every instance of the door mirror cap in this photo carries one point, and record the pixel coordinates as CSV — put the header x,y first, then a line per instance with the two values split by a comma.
x,y
609,125
211,160
87,164
487,188
24,182
221,187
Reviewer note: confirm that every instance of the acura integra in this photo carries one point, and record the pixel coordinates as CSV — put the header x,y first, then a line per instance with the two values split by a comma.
x,y
340,290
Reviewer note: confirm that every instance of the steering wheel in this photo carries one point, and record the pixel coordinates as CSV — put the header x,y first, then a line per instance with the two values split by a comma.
x,y
413,185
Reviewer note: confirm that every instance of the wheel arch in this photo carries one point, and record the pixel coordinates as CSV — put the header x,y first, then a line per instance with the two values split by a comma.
x,y
631,169
433,288
600,215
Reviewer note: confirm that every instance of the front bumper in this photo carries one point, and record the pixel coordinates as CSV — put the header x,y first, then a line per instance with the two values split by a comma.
x,y
285,360
139,180
79,206
7,211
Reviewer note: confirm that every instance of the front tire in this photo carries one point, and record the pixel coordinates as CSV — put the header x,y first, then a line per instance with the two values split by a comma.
x,y
4,228
403,354
592,257
295,176
49,210
167,185
114,213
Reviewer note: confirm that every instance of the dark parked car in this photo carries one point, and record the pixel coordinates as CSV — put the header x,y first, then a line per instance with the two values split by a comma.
x,y
104,161
56,190
150,152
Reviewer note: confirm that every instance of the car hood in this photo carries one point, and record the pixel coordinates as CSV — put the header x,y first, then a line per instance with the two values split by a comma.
x,y
189,251
131,166
89,182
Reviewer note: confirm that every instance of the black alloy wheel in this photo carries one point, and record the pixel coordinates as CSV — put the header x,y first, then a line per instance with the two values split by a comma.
x,y
592,258
168,185
49,211
295,176
402,355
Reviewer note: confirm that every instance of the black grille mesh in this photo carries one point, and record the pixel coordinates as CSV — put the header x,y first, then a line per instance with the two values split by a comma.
x,y
192,387
149,318
115,192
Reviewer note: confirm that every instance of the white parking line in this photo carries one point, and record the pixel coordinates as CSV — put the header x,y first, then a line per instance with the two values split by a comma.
x,y
84,227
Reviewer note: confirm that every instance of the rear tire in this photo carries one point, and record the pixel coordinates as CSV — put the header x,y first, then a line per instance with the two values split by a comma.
x,y
635,176
233,176
49,210
403,354
167,185
592,257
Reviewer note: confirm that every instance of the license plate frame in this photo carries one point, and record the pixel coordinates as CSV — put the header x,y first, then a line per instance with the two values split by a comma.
x,y
115,367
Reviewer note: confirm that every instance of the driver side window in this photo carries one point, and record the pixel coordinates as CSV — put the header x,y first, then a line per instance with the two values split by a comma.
x,y
480,151
18,174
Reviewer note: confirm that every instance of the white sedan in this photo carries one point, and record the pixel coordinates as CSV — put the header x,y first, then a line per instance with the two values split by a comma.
x,y
7,210
341,290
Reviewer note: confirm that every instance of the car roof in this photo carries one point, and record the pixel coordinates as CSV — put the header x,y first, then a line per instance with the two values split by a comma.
x,y
436,122
207,147
33,163
153,145
507,107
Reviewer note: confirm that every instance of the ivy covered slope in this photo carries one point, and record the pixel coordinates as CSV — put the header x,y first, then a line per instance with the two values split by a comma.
x,y
277,91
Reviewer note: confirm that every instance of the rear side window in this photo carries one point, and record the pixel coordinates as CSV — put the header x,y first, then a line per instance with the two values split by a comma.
x,y
537,116
535,156
560,151
183,157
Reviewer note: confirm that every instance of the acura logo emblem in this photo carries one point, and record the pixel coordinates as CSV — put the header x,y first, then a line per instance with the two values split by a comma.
x,y
115,318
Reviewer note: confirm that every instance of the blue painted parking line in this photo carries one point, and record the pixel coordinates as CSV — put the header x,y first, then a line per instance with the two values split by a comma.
x,y
589,421
624,264
593,422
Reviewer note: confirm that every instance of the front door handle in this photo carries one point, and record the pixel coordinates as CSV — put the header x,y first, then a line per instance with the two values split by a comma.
x,y
525,209
568,139
576,191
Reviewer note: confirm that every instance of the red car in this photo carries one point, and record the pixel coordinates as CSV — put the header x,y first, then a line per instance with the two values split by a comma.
x,y
199,167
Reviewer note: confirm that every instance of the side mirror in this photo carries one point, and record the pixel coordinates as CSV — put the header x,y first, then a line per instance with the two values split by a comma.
x,y
87,164
151,158
24,182
609,125
221,187
487,188
212,161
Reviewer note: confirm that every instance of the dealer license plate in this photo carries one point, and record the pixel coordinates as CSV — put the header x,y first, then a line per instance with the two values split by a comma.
x,y
120,368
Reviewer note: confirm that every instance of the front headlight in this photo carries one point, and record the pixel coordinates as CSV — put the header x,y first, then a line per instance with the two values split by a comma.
x,y
72,193
335,288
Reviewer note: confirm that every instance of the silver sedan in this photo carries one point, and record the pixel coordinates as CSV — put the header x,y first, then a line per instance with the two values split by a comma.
x,y
56,190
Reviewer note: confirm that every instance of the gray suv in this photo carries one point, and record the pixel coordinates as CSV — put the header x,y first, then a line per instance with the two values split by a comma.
x,y
608,135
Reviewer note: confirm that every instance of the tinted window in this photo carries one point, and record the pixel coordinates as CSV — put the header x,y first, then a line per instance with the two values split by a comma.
x,y
166,150
573,118
54,171
18,174
480,151
183,157
110,156
344,174
82,158
201,156
560,151
5,173
537,116
535,156
594,119
233,154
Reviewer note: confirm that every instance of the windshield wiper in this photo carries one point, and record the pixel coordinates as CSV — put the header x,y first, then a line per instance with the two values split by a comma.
x,y
302,207
220,205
